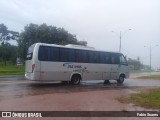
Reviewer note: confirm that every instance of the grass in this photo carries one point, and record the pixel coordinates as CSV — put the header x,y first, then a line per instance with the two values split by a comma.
x,y
150,77
147,99
135,71
11,70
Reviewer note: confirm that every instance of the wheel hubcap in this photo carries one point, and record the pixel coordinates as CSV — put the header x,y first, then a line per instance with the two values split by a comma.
x,y
76,80
121,78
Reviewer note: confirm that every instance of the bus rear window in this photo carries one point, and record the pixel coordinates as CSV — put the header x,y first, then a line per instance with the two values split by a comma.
x,y
30,52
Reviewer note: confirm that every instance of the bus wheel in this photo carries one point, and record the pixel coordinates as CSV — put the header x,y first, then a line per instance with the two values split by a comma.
x,y
121,79
75,80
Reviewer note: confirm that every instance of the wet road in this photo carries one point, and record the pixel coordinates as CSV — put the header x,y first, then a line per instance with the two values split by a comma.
x,y
17,87
19,94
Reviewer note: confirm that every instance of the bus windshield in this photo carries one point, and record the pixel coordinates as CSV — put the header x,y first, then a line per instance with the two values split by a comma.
x,y
30,52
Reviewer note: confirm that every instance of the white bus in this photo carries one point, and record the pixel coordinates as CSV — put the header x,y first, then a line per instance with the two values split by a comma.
x,y
45,62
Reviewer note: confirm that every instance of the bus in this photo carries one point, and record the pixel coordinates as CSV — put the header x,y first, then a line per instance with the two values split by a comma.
x,y
73,63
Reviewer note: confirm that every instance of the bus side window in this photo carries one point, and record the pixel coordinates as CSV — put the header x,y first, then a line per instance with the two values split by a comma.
x,y
81,56
55,54
40,52
115,58
78,56
44,53
64,55
107,58
96,57
91,57
102,58
71,55
84,56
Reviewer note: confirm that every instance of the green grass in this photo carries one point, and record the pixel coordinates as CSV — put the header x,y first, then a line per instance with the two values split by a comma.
x,y
147,99
150,77
11,70
132,71
135,71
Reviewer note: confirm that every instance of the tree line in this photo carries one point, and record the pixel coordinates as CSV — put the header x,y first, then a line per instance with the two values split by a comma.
x,y
31,34
136,64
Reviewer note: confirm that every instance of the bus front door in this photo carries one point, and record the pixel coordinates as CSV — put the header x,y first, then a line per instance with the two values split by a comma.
x,y
114,71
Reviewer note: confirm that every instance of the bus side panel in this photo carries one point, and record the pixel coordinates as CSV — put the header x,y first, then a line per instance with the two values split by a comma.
x,y
93,71
107,71
54,71
114,71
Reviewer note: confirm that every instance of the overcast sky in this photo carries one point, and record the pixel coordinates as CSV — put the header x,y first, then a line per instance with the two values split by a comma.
x,y
93,21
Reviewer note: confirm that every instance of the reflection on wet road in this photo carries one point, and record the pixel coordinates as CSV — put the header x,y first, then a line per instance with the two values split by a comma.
x,y
13,87
20,88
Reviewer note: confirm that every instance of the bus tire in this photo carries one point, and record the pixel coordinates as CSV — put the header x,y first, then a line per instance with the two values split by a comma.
x,y
75,80
121,79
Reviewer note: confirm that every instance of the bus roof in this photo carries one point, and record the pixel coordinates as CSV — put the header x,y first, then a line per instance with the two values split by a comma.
x,y
75,47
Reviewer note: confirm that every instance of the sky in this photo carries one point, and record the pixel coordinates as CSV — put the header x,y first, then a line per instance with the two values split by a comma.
x,y
93,21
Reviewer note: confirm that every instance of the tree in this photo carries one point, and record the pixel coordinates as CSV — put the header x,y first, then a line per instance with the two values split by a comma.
x,y
136,64
8,52
5,36
43,33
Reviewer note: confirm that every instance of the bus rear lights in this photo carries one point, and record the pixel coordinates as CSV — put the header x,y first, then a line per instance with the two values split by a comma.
x,y
33,66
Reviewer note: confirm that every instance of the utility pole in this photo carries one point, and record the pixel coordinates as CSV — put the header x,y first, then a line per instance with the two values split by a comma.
x,y
150,55
150,58
120,37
